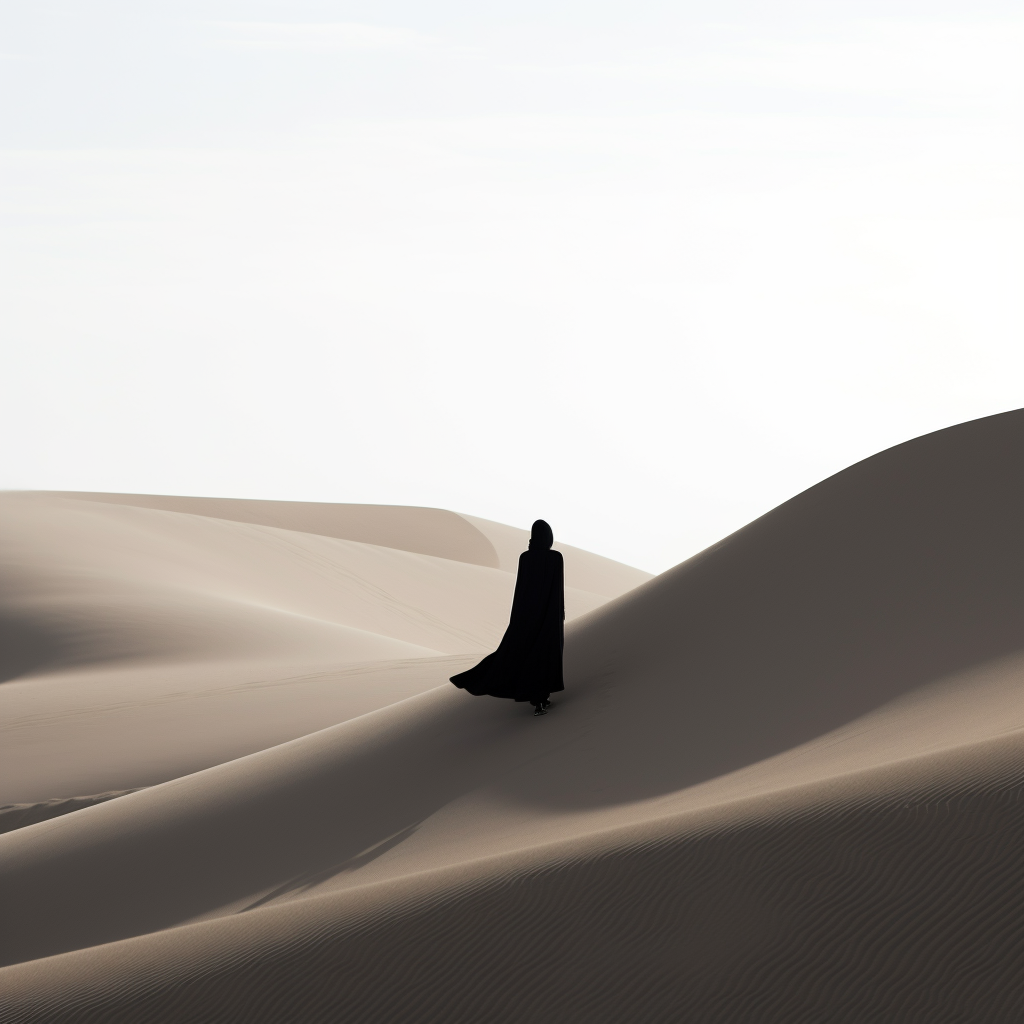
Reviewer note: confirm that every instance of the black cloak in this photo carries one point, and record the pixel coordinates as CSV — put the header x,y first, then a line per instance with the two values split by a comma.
x,y
527,665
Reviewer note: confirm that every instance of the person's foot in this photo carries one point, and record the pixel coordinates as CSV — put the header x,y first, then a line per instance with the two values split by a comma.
x,y
545,704
538,710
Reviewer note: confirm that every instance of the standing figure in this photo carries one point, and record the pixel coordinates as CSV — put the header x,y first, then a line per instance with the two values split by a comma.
x,y
527,666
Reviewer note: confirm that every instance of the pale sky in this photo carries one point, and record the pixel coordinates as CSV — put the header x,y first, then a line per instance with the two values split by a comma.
x,y
644,269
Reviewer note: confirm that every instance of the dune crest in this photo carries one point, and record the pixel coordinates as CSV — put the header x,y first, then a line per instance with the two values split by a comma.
x,y
784,784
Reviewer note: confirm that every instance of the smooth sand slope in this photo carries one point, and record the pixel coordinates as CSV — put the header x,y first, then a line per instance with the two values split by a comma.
x,y
140,643
784,784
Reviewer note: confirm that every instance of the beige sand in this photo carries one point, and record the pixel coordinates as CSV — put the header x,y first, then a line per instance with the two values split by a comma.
x,y
141,644
784,783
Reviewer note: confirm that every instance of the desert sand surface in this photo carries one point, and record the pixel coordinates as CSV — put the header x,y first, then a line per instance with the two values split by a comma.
x,y
784,782
146,638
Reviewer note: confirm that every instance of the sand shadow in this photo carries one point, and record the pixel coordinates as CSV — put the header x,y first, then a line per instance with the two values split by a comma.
x,y
25,648
311,879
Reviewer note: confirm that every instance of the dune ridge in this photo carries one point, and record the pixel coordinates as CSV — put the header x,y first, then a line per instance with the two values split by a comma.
x,y
14,816
784,784
427,531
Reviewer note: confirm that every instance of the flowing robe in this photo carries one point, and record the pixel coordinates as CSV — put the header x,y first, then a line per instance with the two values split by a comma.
x,y
527,665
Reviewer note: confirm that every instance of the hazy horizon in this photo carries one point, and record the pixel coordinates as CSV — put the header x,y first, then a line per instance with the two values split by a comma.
x,y
644,270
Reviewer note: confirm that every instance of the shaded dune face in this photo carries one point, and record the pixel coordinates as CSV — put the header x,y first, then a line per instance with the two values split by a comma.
x,y
784,784
904,569
25,646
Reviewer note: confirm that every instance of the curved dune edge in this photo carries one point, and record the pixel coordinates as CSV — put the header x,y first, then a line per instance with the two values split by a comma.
x,y
428,531
14,816
784,784
869,897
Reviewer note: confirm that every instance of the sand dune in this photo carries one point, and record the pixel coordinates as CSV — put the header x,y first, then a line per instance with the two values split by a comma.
x,y
427,531
143,644
784,784
14,816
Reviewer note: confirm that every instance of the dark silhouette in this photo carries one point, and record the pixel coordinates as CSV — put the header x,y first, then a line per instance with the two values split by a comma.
x,y
527,666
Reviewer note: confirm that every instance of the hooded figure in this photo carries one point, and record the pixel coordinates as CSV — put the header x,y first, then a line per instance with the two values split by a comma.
x,y
527,666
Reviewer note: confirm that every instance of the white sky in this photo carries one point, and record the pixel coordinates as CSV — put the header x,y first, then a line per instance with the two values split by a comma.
x,y
643,269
